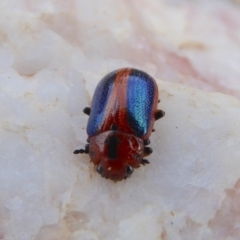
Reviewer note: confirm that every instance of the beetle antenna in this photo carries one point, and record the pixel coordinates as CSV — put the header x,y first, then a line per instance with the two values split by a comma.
x,y
77,151
86,150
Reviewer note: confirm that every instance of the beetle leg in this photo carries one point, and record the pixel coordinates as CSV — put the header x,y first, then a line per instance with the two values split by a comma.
x,y
159,114
87,110
147,151
146,142
86,150
145,161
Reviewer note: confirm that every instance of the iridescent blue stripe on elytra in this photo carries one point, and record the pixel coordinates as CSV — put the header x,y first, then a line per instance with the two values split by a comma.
x,y
99,103
140,99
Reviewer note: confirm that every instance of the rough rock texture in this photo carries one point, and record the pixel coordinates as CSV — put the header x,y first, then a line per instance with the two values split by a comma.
x,y
53,53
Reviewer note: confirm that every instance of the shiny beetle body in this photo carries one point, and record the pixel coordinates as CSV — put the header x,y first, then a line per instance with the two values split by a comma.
x,y
121,118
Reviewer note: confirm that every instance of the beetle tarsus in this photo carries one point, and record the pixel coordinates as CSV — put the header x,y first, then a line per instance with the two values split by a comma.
x,y
159,114
146,142
145,161
147,151
87,110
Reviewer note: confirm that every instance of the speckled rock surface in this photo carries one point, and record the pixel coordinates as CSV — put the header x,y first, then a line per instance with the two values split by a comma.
x,y
52,55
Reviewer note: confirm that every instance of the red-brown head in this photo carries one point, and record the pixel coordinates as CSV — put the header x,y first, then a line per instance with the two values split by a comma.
x,y
115,154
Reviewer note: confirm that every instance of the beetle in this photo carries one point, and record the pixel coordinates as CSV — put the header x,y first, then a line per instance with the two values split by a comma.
x,y
121,119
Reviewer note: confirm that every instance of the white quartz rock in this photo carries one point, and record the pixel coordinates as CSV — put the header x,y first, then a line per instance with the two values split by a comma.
x,y
191,42
190,190
52,55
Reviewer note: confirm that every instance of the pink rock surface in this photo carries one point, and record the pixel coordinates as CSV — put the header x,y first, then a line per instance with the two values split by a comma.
x,y
52,55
